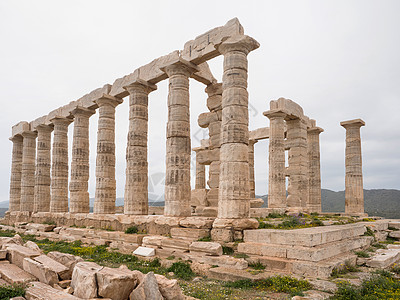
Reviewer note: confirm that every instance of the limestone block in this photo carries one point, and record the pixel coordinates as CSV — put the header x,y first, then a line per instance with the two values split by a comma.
x,y
68,260
290,107
256,203
33,246
88,100
203,47
84,279
19,128
40,271
176,243
222,261
169,288
394,224
55,266
262,249
206,157
197,222
3,254
205,119
153,240
147,289
238,224
17,240
198,197
116,284
42,291
209,248
383,258
143,251
40,227
395,234
18,253
223,235
13,274
189,233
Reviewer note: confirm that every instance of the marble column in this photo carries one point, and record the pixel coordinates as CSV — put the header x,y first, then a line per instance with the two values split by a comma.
x,y
178,150
59,166
41,201
314,168
276,160
78,186
252,181
354,193
298,163
136,200
105,195
200,174
16,170
234,188
28,171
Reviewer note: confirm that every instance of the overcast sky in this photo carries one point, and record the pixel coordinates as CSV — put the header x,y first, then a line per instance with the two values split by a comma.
x,y
339,60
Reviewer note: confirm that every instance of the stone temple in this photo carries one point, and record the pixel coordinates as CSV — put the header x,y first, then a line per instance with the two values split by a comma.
x,y
44,187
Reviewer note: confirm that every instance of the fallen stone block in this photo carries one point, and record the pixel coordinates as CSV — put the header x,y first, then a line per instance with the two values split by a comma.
x,y
169,288
65,259
116,284
33,246
40,271
144,251
40,227
41,291
383,258
13,274
84,279
53,265
147,290
209,248
3,254
11,240
17,254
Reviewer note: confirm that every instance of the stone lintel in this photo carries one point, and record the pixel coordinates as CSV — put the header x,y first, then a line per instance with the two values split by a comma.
x,y
89,100
355,123
198,149
191,67
274,113
80,110
108,99
140,83
204,74
206,157
317,130
259,134
20,127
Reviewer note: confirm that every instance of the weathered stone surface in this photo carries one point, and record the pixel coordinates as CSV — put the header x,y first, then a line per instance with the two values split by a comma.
x,y
16,172
116,284
17,240
189,233
383,258
19,128
40,227
68,260
197,222
84,279
89,100
209,248
33,246
41,291
314,198
13,274
28,171
395,234
169,288
147,289
143,251
40,271
18,253
55,266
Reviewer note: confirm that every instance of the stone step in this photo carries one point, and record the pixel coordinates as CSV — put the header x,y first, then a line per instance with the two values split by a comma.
x,y
41,291
231,274
13,274
394,224
384,258
315,254
308,237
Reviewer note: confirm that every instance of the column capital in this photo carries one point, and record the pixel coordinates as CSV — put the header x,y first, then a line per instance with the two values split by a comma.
x,y
82,111
16,138
61,121
44,128
242,43
108,100
29,134
252,142
140,84
315,130
180,66
274,114
352,123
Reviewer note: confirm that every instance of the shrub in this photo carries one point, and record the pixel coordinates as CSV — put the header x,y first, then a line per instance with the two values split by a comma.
x,y
395,269
344,269
131,230
316,222
7,292
369,232
205,239
393,228
275,215
362,254
182,270
257,266
227,250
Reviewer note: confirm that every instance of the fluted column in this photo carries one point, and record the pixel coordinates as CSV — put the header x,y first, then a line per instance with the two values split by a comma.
x,y
200,174
28,171
298,163
105,195
78,186
252,181
16,170
314,168
136,200
234,188
43,164
178,150
59,166
354,193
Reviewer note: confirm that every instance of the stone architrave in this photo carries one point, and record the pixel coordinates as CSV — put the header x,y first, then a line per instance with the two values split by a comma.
x,y
78,186
200,172
298,163
251,170
314,198
28,171
136,185
16,170
234,189
178,150
59,169
354,193
41,201
105,195
276,161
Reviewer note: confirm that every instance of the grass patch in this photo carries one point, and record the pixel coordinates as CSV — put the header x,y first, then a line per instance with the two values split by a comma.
x,y
49,222
275,215
205,239
369,232
257,266
7,292
379,246
344,269
240,255
131,230
362,254
182,270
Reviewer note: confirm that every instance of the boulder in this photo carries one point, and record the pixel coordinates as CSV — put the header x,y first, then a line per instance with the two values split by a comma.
x,y
116,284
147,289
65,259
55,266
84,280
169,288
40,271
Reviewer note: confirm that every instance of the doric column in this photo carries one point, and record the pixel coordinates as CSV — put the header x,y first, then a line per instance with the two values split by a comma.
x,y
105,195
234,189
43,164
200,173
16,169
78,186
354,178
298,163
59,166
177,182
276,160
314,169
28,171
136,200
252,181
